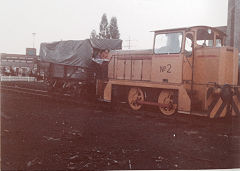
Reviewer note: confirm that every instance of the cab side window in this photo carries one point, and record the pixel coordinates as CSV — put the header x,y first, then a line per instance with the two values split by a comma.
x,y
205,37
219,41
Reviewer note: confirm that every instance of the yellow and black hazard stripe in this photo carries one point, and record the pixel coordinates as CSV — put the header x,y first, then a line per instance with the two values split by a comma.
x,y
236,102
219,104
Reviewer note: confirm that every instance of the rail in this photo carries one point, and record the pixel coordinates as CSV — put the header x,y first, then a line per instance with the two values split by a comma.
x,y
17,78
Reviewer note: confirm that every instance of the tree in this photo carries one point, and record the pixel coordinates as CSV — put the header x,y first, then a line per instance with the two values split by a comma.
x,y
93,34
113,29
104,30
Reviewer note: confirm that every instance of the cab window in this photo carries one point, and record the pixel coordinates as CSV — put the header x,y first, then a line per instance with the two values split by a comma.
x,y
168,43
188,45
205,37
219,41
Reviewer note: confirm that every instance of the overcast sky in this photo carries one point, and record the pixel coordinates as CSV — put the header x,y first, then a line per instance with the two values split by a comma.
x,y
55,20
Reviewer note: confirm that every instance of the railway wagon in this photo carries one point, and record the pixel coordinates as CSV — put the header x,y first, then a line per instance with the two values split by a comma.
x,y
71,67
189,70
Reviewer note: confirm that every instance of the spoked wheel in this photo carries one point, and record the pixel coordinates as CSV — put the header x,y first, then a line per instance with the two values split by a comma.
x,y
134,95
73,91
167,97
51,86
79,92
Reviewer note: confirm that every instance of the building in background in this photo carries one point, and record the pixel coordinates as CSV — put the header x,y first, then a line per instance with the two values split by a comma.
x,y
19,64
233,24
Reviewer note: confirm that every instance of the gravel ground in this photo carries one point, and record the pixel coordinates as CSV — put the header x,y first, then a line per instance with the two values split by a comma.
x,y
39,133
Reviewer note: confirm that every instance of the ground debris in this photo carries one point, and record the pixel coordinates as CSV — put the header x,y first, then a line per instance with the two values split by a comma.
x,y
96,150
191,132
124,151
33,162
71,168
223,135
72,134
115,161
159,159
86,165
136,150
51,138
74,157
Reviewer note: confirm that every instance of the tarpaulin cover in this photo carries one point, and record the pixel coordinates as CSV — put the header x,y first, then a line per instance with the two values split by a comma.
x,y
110,44
71,52
75,52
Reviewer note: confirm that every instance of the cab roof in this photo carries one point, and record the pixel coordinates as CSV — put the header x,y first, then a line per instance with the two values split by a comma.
x,y
191,28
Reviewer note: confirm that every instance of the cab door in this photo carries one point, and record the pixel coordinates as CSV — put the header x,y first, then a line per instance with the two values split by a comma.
x,y
188,69
188,59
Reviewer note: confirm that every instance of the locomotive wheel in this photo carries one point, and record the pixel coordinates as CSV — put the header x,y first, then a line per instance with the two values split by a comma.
x,y
166,97
135,95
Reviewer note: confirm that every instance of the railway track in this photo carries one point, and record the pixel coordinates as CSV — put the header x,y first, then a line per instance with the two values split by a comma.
x,y
123,107
44,93
25,90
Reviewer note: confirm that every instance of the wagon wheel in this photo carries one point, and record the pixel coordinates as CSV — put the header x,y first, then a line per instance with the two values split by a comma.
x,y
73,90
135,95
51,86
167,97
81,91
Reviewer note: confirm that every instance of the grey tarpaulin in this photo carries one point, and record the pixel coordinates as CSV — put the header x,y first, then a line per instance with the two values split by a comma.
x,y
111,44
71,52
75,52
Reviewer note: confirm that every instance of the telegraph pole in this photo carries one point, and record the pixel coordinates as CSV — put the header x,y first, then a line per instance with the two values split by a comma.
x,y
129,45
34,34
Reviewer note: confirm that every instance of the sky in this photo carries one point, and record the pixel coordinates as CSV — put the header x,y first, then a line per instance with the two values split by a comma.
x,y
55,20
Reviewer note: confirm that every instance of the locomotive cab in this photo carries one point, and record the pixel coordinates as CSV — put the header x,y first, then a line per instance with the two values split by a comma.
x,y
212,64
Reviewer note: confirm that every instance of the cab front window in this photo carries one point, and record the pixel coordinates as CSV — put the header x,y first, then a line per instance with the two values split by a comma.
x,y
168,43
